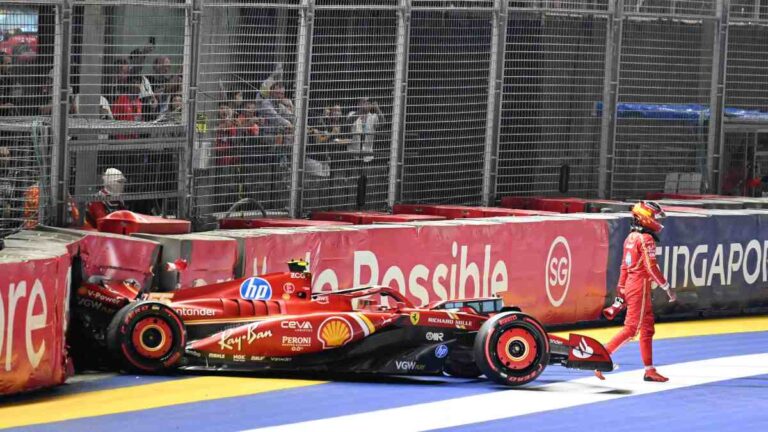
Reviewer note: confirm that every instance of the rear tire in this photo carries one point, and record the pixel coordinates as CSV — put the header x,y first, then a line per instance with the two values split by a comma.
x,y
512,349
147,336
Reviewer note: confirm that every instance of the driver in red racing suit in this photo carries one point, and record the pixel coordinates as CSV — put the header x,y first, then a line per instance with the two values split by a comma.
x,y
638,270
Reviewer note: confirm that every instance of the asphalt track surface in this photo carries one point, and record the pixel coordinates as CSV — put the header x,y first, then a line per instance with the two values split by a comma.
x,y
718,371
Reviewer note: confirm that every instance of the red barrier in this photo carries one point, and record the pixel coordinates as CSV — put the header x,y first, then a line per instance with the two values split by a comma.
x,y
517,202
118,257
446,211
209,259
127,222
243,223
367,218
560,205
555,269
462,212
34,311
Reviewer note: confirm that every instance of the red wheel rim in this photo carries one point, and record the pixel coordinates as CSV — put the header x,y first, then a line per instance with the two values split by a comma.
x,y
516,349
152,338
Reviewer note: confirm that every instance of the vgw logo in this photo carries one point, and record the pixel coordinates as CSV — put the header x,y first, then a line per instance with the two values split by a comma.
x,y
255,289
557,275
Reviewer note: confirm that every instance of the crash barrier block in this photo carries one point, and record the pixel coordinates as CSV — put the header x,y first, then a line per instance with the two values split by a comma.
x,y
517,202
560,205
114,256
715,260
446,211
563,204
206,259
552,267
250,223
35,274
461,212
607,206
127,222
365,218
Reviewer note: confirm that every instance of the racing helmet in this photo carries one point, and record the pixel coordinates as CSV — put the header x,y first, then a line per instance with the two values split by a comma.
x,y
647,215
114,181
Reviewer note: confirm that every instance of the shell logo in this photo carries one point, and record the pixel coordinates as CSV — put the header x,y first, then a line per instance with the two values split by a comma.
x,y
334,332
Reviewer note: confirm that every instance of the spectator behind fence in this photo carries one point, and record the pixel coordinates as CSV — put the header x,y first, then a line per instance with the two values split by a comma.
x,y
42,101
32,207
226,137
170,90
235,99
364,121
258,158
276,109
127,105
109,198
10,87
174,111
161,75
328,143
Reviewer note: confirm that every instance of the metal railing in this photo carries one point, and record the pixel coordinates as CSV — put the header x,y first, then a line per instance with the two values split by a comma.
x,y
329,104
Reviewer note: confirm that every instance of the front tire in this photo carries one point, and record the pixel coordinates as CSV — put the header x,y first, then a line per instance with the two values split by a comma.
x,y
147,336
512,349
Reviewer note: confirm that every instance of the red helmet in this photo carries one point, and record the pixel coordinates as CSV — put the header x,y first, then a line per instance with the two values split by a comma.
x,y
647,213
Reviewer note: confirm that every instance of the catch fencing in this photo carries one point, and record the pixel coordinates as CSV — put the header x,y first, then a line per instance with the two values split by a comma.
x,y
204,106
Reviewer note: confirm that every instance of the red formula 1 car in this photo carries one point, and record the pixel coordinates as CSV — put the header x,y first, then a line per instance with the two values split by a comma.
x,y
275,322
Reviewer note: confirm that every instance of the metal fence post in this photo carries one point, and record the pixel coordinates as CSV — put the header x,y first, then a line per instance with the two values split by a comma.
x,y
303,60
495,91
60,107
192,52
394,193
715,139
610,95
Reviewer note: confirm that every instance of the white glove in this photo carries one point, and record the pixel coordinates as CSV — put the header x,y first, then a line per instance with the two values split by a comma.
x,y
670,293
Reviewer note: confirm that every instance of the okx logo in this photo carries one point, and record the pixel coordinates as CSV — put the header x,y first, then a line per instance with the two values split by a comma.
x,y
558,272
256,289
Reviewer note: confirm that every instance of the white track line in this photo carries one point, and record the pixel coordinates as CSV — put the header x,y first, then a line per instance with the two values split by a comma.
x,y
516,402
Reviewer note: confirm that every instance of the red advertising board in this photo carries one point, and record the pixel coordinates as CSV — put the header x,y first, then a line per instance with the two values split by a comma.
x,y
554,269
33,319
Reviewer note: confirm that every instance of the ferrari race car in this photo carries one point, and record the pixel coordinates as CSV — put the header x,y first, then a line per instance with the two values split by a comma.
x,y
276,322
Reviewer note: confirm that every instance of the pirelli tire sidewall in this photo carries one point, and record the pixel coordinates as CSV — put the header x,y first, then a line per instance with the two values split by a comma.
x,y
154,323
512,329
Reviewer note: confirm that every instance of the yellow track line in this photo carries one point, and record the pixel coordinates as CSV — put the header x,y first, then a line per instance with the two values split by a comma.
x,y
140,397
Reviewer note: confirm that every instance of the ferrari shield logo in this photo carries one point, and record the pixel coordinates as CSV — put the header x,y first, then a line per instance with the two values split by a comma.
x,y
414,318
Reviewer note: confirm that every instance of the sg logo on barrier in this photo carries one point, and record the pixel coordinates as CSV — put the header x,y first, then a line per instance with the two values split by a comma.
x,y
558,270
255,289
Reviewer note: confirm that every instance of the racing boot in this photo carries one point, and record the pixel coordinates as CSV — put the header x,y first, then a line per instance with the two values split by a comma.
x,y
652,375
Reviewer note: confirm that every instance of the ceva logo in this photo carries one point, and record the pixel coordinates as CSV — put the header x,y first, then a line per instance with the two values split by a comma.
x,y
557,275
255,289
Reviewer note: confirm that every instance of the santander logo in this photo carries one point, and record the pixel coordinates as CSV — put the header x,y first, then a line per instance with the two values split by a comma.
x,y
583,351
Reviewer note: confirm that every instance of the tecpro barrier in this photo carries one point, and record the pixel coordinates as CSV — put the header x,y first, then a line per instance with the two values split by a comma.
x,y
34,307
